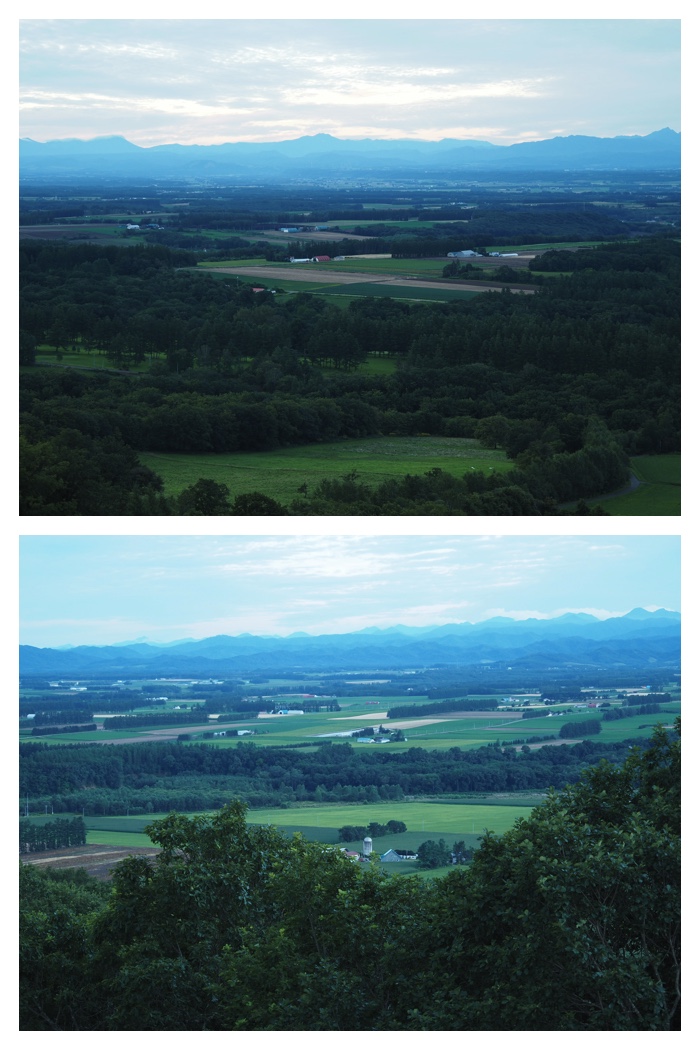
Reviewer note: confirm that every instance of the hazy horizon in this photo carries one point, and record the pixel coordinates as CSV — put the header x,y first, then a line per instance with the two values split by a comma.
x,y
103,590
192,81
598,614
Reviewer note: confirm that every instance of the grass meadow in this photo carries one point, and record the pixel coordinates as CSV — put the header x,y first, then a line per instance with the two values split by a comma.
x,y
465,821
659,493
280,474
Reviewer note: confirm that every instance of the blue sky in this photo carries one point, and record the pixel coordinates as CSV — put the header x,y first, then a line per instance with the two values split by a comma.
x,y
212,80
104,589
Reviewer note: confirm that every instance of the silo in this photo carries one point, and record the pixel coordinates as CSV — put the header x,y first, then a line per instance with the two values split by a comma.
x,y
367,846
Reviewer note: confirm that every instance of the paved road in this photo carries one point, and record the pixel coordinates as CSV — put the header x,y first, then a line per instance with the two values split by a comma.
x,y
633,485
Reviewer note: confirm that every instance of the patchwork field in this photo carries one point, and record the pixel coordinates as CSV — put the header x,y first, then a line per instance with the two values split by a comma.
x,y
468,731
111,839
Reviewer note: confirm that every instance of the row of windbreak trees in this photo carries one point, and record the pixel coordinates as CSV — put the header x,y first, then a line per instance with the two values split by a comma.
x,y
53,834
568,922
197,776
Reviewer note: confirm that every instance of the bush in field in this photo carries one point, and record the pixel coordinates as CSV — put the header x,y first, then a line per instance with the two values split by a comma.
x,y
574,729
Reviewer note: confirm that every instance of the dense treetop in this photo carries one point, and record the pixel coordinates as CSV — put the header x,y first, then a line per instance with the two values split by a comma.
x,y
569,922
589,363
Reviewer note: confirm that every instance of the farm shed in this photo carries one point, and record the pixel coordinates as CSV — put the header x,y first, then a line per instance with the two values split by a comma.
x,y
399,854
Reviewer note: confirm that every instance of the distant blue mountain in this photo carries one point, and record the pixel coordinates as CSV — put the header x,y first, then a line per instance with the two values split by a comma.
x,y
115,156
641,638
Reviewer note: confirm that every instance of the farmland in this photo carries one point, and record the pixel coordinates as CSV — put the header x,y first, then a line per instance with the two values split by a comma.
x,y
320,823
467,731
382,748
173,352
464,815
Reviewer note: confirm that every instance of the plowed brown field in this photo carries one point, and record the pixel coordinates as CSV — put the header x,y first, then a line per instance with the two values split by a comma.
x,y
98,861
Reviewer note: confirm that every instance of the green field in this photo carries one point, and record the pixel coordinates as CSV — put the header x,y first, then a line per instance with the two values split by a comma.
x,y
659,493
280,473
424,820
466,731
77,358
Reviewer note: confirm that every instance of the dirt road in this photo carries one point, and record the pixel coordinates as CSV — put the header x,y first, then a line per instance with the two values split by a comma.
x,y
314,272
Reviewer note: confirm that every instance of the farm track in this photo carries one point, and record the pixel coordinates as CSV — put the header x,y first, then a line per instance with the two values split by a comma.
x,y
307,272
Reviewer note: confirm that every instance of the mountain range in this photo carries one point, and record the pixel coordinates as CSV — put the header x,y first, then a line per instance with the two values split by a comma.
x,y
639,639
316,155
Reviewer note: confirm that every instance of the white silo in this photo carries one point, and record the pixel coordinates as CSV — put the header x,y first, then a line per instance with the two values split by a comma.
x,y
366,846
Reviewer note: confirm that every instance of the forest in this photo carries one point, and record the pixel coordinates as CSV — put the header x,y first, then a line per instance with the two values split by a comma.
x,y
568,922
569,382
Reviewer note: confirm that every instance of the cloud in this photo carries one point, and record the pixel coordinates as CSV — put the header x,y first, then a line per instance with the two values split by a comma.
x,y
358,92
183,107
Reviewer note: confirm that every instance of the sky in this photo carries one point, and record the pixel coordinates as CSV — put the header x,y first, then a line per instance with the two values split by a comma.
x,y
210,80
99,590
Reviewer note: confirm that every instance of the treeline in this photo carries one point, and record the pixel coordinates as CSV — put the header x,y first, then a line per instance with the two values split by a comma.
x,y
148,777
49,730
630,712
621,256
48,710
172,718
654,698
52,834
60,716
568,922
419,710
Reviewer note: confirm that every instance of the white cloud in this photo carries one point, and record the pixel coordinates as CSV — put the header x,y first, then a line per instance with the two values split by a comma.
x,y
358,92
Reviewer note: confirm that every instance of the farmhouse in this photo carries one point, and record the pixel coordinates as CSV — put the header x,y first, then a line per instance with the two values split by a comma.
x,y
399,854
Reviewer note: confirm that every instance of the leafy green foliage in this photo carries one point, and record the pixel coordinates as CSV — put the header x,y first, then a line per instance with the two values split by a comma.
x,y
56,949
433,854
570,730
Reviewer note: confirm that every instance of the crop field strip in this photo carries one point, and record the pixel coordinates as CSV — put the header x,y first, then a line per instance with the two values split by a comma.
x,y
467,731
